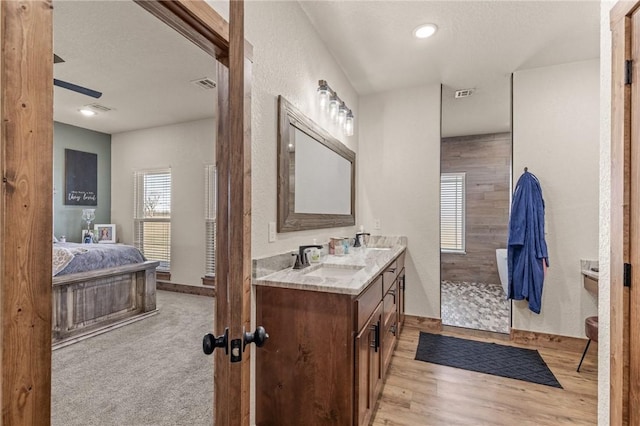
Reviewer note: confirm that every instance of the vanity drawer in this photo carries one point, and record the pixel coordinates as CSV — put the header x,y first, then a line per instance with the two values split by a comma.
x,y
367,302
389,276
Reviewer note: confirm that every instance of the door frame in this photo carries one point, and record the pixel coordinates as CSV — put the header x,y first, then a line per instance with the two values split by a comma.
x,y
624,231
26,163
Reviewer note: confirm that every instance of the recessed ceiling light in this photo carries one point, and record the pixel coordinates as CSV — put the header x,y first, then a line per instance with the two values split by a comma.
x,y
425,31
87,112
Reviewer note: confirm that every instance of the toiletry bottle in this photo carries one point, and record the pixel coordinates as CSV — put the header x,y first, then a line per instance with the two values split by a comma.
x,y
338,246
345,244
314,254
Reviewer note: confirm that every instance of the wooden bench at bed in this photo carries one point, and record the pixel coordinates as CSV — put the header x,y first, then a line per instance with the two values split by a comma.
x,y
90,303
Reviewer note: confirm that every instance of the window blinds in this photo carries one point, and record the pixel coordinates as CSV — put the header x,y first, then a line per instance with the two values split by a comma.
x,y
152,215
210,219
452,214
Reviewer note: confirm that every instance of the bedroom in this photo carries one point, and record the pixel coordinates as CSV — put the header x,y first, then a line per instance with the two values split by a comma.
x,y
136,128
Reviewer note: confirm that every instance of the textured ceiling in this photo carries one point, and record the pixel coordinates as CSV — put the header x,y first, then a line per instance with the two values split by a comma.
x,y
143,67
476,40
478,45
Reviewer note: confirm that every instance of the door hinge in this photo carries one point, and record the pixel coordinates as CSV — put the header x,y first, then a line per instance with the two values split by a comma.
x,y
628,71
627,275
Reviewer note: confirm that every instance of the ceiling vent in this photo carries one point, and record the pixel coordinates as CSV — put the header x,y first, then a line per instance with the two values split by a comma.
x,y
464,93
205,83
99,107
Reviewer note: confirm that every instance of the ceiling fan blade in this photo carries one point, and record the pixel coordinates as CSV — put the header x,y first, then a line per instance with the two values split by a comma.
x,y
76,88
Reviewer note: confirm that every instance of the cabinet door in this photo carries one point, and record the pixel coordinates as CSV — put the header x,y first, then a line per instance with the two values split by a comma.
x,y
367,368
390,319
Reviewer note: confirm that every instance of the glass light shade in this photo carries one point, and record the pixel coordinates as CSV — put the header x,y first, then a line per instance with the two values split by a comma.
x,y
323,97
348,125
342,114
334,106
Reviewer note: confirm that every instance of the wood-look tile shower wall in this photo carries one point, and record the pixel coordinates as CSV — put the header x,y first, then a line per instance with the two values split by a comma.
x,y
486,159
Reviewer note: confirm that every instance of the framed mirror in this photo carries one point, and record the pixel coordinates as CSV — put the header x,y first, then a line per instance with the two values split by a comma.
x,y
316,175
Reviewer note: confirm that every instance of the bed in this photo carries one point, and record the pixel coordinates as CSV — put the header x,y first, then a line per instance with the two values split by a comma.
x,y
99,287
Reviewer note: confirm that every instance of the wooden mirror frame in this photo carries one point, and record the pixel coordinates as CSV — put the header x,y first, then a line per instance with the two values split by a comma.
x,y
289,117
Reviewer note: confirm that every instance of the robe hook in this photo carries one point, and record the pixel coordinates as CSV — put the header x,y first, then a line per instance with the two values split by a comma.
x,y
526,169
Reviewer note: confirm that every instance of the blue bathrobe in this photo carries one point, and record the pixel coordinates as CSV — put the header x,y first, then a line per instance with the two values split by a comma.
x,y
527,248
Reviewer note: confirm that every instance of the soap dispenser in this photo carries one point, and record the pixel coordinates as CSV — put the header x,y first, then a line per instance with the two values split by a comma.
x,y
314,253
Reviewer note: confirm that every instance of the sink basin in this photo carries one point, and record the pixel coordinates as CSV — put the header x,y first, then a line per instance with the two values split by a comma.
x,y
378,248
330,271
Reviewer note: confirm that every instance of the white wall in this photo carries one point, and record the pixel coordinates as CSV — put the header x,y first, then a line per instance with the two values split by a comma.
x,y
399,172
604,283
291,66
555,135
186,148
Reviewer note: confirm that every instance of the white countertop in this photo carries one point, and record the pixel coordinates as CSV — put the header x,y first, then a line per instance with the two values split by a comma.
x,y
372,262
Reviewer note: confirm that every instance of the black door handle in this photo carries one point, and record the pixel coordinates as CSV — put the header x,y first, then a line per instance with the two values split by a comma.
x,y
259,337
211,342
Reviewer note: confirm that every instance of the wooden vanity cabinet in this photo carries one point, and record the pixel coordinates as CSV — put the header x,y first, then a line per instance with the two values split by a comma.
x,y
368,367
327,353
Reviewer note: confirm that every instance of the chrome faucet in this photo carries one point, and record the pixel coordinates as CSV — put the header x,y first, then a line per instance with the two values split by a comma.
x,y
302,261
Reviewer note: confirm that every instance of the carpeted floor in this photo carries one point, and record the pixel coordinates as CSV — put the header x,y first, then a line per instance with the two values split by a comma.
x,y
478,306
152,372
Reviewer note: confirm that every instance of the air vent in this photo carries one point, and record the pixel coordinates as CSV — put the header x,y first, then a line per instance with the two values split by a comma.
x,y
464,93
99,107
205,83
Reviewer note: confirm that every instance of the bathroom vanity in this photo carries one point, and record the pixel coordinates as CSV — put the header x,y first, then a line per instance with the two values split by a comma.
x,y
332,331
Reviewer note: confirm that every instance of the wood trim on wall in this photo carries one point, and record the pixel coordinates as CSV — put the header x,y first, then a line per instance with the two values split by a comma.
x,y
424,323
26,138
186,289
239,282
546,340
199,23
221,375
619,219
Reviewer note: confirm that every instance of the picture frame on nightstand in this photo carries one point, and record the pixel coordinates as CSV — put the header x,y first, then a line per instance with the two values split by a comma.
x,y
105,233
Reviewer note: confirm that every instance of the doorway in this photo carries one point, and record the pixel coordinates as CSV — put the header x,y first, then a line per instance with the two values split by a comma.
x,y
160,127
475,188
26,285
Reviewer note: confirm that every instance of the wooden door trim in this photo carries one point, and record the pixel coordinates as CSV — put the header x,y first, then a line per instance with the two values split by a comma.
x,y
620,212
198,22
239,278
26,138
26,162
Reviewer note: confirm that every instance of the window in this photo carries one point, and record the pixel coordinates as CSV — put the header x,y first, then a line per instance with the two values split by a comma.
x,y
210,220
452,195
152,215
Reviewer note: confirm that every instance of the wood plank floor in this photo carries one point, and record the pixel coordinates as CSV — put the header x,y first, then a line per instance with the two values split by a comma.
x,y
421,393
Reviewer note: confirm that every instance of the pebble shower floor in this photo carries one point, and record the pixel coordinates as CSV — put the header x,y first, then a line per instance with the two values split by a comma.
x,y
478,306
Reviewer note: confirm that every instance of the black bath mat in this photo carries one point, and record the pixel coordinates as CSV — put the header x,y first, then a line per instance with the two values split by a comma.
x,y
489,358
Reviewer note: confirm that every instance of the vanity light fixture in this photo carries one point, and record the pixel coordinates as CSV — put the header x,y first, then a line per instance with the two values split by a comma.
x,y
425,31
348,124
335,107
